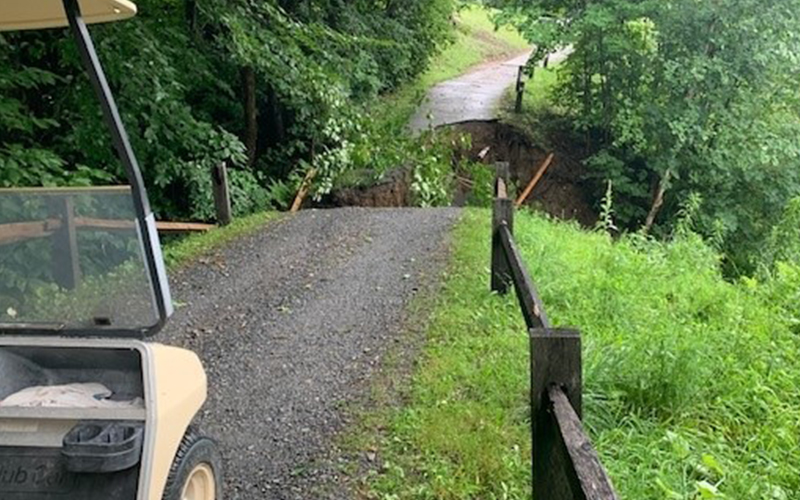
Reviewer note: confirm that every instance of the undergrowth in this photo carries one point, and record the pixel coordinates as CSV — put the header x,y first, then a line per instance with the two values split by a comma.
x,y
691,383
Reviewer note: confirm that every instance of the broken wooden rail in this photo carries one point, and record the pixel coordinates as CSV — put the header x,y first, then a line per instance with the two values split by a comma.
x,y
565,464
20,231
61,223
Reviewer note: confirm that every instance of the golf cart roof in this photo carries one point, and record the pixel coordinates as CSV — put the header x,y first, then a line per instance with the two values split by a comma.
x,y
39,14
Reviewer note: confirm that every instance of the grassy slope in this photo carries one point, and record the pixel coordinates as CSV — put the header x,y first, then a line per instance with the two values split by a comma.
x,y
536,105
691,383
476,41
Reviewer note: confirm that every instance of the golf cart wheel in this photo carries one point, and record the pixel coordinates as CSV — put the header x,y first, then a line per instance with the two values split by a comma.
x,y
196,473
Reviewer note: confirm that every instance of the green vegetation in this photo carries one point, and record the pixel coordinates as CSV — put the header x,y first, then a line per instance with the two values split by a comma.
x,y
476,41
669,99
386,144
540,114
691,382
539,88
273,87
189,248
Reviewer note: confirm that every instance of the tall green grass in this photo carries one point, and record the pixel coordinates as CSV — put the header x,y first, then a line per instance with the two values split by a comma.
x,y
539,113
692,384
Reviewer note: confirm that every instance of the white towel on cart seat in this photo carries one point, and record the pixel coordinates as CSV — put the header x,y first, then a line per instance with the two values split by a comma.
x,y
68,396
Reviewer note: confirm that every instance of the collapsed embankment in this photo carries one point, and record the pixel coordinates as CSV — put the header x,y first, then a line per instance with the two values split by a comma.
x,y
562,191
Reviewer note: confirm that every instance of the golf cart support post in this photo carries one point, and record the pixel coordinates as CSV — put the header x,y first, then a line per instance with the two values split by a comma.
x,y
146,218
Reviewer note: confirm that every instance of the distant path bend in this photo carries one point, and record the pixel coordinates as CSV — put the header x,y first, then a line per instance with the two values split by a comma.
x,y
474,96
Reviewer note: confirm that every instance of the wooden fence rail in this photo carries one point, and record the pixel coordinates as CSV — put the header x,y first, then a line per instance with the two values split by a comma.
x,y
19,231
565,464
520,88
61,223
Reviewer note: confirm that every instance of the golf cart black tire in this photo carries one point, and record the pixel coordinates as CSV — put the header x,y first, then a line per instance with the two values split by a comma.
x,y
194,450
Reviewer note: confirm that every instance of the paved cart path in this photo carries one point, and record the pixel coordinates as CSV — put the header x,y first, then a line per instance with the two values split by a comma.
x,y
474,96
290,323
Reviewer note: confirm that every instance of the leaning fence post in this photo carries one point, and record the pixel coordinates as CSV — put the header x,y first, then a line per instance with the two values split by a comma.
x,y
222,197
502,213
555,361
520,89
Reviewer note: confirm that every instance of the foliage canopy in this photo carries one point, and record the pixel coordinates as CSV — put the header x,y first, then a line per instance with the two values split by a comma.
x,y
273,87
682,97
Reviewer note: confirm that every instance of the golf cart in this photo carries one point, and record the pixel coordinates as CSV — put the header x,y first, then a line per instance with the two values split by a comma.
x,y
88,408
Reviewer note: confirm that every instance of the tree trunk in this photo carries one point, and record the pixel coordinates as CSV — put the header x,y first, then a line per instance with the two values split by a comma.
x,y
658,202
191,15
250,114
276,115
587,99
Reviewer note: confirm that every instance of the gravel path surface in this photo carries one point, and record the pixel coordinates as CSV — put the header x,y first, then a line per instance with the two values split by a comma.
x,y
290,323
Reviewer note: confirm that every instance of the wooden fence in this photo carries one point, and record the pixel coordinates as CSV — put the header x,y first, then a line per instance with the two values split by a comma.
x,y
66,219
62,224
565,464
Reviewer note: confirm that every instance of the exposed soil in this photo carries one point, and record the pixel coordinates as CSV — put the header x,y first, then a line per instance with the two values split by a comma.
x,y
562,192
394,190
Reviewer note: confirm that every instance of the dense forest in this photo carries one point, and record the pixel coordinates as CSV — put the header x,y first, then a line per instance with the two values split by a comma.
x,y
681,102
271,87
673,105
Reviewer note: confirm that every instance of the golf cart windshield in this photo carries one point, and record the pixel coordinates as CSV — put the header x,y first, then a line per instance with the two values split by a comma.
x,y
81,261
73,260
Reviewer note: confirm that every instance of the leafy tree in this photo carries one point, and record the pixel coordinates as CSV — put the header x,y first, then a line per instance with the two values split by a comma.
x,y
674,97
273,87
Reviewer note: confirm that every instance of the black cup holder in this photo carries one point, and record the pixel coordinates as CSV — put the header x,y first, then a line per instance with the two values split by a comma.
x,y
103,447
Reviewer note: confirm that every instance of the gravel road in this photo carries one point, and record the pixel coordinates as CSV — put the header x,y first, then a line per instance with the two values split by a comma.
x,y
290,323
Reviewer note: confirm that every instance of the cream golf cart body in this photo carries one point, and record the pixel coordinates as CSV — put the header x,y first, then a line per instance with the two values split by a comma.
x,y
88,408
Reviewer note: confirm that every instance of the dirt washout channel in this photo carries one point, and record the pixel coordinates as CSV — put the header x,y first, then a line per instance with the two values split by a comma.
x,y
563,191
290,323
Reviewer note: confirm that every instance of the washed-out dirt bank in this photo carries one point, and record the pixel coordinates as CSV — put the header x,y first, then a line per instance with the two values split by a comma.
x,y
562,192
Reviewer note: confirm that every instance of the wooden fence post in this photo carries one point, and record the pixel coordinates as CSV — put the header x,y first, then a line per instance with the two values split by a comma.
x,y
66,260
222,196
555,361
502,213
520,89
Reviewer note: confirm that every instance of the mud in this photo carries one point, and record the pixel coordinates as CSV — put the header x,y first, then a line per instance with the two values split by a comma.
x,y
562,192
394,190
